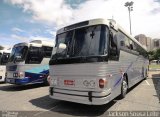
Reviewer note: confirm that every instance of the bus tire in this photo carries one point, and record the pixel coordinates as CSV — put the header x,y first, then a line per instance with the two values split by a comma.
x,y
124,88
46,83
5,80
145,74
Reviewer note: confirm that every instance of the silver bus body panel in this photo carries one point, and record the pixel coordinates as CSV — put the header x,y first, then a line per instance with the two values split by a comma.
x,y
82,99
113,71
2,73
128,63
3,67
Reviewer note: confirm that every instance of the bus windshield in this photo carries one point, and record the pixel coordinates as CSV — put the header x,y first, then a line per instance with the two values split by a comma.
x,y
4,58
34,56
82,42
18,54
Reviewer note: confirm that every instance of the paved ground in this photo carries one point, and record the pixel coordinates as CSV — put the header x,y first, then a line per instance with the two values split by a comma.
x,y
143,97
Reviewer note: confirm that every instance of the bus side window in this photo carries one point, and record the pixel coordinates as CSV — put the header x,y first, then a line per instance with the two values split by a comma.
x,y
47,51
131,44
124,41
113,47
0,58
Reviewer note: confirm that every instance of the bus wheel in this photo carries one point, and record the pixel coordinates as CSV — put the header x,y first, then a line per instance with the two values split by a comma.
x,y
145,74
5,80
124,88
46,83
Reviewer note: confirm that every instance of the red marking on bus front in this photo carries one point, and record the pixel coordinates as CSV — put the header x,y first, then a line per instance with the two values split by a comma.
x,y
69,82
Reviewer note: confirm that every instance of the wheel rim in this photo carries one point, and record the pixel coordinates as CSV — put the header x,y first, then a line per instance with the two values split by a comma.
x,y
124,87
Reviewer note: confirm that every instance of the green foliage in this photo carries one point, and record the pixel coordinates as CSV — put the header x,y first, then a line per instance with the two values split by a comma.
x,y
157,54
151,55
154,55
1,47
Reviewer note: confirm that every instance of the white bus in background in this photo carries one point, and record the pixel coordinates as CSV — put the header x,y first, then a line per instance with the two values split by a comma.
x,y
28,63
4,56
95,61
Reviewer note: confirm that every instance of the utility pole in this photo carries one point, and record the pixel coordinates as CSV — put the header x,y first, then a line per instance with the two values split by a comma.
x,y
129,5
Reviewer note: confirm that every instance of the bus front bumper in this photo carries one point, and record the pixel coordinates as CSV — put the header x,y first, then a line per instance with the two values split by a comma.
x,y
83,97
18,81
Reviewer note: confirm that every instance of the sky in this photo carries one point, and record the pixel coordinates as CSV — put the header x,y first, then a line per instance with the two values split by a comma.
x,y
26,20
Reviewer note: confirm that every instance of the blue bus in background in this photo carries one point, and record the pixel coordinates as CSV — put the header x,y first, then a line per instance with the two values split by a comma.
x,y
28,63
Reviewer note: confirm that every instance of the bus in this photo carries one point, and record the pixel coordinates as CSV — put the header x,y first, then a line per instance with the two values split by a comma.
x,y
94,62
4,56
28,63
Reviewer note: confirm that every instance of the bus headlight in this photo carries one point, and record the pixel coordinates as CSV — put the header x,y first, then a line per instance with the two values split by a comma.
x,y
18,74
21,74
15,74
53,82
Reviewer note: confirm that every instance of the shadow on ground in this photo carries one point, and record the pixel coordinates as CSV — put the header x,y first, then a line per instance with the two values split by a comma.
x,y
156,82
70,108
2,83
9,87
73,109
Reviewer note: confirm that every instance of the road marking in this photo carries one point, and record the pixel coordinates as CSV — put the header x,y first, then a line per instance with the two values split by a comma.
x,y
147,82
149,89
142,103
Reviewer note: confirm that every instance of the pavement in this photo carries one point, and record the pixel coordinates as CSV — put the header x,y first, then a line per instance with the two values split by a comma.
x,y
33,100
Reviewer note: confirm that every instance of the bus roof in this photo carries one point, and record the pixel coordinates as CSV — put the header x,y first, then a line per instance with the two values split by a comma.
x,y
5,50
20,44
37,43
43,42
91,22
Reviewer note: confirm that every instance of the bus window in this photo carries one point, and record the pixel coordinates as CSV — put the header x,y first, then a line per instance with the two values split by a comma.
x,y
18,54
87,41
65,38
4,58
47,51
114,52
124,41
132,45
0,58
35,55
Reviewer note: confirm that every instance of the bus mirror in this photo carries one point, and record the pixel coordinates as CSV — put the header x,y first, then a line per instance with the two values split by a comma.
x,y
17,58
61,47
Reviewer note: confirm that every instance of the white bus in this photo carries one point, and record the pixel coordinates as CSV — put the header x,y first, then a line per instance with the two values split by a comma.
x,y
4,56
95,61
28,63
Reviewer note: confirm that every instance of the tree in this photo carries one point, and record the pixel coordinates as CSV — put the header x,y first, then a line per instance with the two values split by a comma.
x,y
154,55
1,47
151,55
157,54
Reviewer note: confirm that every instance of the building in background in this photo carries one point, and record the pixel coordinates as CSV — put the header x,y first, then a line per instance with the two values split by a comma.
x,y
145,41
149,44
156,44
